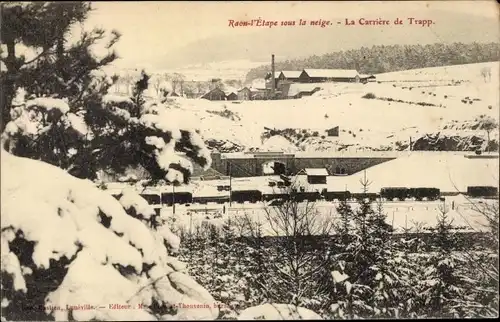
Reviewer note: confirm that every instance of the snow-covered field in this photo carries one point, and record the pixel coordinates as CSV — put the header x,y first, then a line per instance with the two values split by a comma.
x,y
400,215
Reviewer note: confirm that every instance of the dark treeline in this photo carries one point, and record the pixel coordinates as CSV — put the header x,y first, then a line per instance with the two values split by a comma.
x,y
383,59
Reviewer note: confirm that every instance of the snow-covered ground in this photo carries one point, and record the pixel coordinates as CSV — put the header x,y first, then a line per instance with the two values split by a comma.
x,y
363,122
400,215
446,171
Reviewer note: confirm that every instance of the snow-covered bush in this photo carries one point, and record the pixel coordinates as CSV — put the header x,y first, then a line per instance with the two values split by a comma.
x,y
66,243
69,249
115,133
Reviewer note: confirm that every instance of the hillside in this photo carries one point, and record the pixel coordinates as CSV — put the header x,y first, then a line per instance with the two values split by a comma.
x,y
438,108
395,58
257,46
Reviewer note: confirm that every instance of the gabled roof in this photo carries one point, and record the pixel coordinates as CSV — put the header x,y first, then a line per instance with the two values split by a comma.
x,y
230,90
314,172
212,91
244,88
331,73
276,75
291,73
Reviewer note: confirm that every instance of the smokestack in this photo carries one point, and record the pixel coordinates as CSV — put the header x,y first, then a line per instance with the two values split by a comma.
x,y
273,81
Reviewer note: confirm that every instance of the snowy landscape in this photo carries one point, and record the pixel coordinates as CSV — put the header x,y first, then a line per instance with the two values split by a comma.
x,y
349,184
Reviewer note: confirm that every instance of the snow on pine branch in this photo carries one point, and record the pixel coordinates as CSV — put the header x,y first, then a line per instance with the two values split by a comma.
x,y
33,117
165,131
160,137
113,257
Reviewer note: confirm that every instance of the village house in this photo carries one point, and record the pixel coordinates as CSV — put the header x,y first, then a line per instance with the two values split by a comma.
x,y
215,94
231,96
367,78
334,131
289,75
259,94
244,94
329,75
312,179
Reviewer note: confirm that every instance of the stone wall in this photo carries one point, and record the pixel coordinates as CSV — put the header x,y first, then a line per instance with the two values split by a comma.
x,y
250,166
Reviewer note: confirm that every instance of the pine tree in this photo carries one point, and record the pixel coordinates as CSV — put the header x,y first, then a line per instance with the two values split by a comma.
x,y
58,68
58,111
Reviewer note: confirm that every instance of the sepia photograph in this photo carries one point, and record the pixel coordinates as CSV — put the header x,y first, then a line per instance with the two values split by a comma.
x,y
251,160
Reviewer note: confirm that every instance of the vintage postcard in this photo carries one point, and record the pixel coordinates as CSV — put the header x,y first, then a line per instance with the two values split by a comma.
x,y
249,160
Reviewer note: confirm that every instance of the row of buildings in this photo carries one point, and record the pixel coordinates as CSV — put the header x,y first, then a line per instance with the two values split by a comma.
x,y
320,76
243,94
290,84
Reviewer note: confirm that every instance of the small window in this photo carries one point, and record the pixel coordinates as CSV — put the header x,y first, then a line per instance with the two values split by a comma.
x,y
220,188
342,171
337,170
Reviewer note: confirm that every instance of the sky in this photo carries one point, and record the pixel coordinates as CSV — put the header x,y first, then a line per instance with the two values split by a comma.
x,y
151,29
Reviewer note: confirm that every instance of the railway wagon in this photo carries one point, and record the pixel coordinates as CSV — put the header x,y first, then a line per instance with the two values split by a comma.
x,y
391,193
372,196
167,198
206,199
152,199
402,193
482,191
336,195
306,195
421,193
241,196
275,196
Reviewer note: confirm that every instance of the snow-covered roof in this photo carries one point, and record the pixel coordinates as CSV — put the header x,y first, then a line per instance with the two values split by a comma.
x,y
228,90
296,88
331,73
276,75
315,172
366,75
256,89
291,73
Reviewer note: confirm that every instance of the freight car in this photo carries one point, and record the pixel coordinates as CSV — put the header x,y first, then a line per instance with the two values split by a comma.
x,y
302,196
403,193
167,198
421,193
152,199
482,191
206,199
391,193
372,196
336,195
274,196
241,196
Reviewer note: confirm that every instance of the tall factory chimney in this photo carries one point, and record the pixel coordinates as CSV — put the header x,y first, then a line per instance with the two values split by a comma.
x,y
273,80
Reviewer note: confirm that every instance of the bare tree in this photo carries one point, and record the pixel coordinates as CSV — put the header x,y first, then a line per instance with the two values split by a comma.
x,y
115,80
486,73
299,267
177,82
157,80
